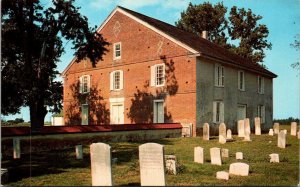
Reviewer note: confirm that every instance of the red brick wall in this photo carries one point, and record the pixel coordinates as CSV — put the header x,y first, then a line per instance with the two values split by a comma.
x,y
139,52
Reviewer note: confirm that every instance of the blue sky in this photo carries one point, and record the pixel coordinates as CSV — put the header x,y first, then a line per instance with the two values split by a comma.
x,y
282,17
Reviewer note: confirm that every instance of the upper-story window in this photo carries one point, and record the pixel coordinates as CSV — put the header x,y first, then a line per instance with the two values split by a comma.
x,y
117,50
219,75
116,80
260,85
241,80
158,75
84,82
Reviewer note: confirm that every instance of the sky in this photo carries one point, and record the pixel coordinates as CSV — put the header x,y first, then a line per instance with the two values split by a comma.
x,y
282,18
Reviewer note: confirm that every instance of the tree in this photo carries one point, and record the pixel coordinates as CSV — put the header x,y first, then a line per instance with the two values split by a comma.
x,y
296,45
32,43
240,27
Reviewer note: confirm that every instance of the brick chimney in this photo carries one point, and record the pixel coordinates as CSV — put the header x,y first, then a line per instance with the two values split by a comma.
x,y
204,34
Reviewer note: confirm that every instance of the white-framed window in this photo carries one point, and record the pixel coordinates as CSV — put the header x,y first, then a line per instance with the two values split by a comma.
x,y
84,84
158,75
261,113
218,112
116,80
241,80
260,85
117,50
219,75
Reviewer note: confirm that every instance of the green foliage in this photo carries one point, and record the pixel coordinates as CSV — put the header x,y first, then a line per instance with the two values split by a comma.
x,y
286,121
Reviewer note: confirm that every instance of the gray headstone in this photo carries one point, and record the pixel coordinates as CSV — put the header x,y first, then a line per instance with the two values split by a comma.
x,y
222,175
206,131
229,135
247,126
199,155
274,158
222,133
281,139
276,128
78,151
294,129
241,128
101,164
215,156
225,153
239,156
257,126
152,170
239,168
271,132
16,148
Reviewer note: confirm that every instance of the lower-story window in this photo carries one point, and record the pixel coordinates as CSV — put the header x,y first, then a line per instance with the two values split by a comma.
x,y
158,111
261,113
218,112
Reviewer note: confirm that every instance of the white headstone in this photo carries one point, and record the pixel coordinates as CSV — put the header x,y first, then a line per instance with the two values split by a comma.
x,y
271,132
247,136
101,164
78,151
241,128
285,131
239,168
247,125
206,131
294,129
16,148
199,155
222,133
274,157
276,128
257,126
229,135
225,153
222,175
281,139
239,155
186,129
215,156
152,170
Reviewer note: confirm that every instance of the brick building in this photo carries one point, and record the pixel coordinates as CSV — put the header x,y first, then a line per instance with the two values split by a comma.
x,y
157,73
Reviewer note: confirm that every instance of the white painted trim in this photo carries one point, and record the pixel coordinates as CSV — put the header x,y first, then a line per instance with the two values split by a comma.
x,y
114,53
154,109
116,100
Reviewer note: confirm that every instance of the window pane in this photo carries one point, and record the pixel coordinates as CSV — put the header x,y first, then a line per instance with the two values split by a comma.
x,y
218,112
85,84
160,75
117,80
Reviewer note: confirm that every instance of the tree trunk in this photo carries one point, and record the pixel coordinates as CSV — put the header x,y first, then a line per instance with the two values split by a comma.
x,y
37,115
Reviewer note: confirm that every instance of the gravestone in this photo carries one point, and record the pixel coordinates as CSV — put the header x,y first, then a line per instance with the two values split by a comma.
x,y
239,155
222,175
16,148
239,168
281,139
241,128
229,135
206,131
215,156
152,170
78,151
285,131
225,153
276,128
293,128
298,134
271,132
257,126
170,161
247,136
222,133
101,164
247,126
199,155
274,158
186,129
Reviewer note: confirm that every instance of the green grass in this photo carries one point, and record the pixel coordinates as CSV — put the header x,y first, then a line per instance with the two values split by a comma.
x,y
60,168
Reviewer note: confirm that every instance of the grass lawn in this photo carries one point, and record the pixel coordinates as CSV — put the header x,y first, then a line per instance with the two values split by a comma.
x,y
60,168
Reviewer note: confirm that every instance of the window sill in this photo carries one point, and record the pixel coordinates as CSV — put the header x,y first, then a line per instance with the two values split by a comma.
x,y
219,86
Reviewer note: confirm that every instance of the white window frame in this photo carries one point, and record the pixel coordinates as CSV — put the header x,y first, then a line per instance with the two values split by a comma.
x,y
112,80
241,79
154,78
218,112
82,84
115,51
261,112
260,85
219,75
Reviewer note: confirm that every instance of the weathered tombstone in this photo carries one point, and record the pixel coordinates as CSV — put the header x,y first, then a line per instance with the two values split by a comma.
x,y
206,131
16,148
222,175
298,134
285,131
170,161
247,126
271,132
241,128
247,136
225,153
276,128
215,156
199,155
186,129
78,151
274,158
229,135
239,168
101,164
152,170
281,139
222,133
239,155
293,128
257,126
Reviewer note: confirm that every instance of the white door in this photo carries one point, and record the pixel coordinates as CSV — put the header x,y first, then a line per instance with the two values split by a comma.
x,y
241,113
158,111
84,114
117,114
